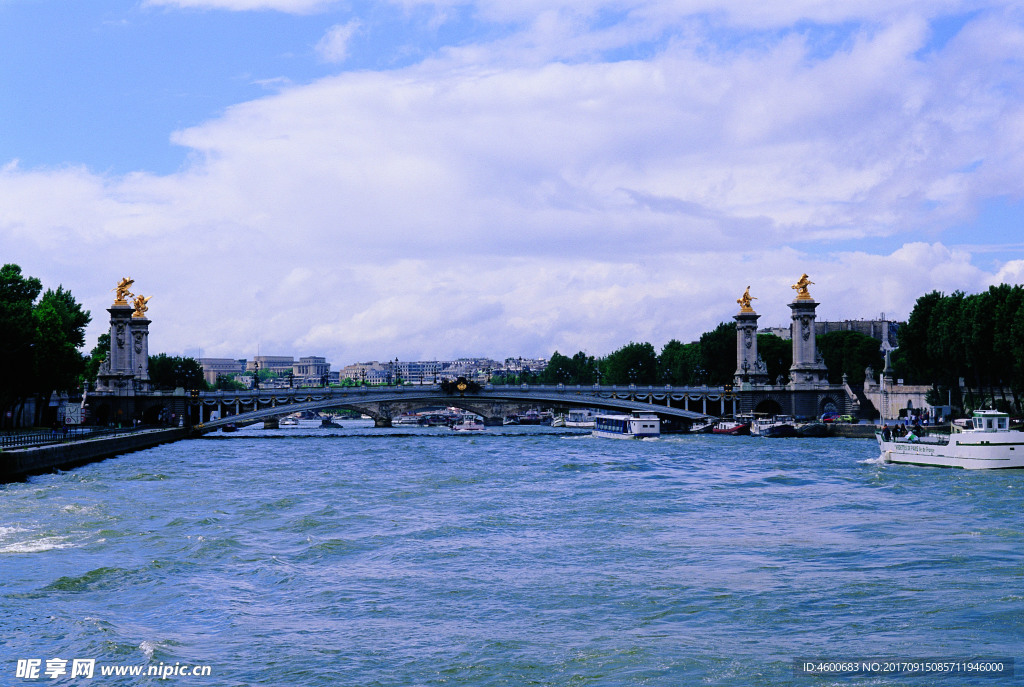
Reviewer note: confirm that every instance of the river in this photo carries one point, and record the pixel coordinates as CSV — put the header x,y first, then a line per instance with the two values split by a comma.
x,y
360,556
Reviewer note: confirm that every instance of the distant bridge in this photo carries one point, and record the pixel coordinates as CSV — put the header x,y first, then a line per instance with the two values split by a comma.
x,y
382,403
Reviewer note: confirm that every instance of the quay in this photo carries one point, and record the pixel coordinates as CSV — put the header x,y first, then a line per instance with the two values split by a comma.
x,y
19,463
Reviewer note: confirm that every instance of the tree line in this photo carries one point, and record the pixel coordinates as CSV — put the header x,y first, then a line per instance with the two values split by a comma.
x,y
40,338
978,339
711,361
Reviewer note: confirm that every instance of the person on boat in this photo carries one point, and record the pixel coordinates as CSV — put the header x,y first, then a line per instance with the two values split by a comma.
x,y
886,434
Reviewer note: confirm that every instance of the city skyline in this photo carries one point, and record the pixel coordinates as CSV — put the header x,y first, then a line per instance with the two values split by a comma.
x,y
437,179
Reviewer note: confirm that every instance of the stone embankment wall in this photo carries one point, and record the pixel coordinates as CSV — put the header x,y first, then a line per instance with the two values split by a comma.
x,y
17,464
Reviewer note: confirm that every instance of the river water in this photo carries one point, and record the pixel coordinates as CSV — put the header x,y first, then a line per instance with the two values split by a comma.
x,y
519,556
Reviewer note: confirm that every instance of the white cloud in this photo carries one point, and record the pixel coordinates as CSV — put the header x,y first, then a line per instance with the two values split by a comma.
x,y
479,204
333,47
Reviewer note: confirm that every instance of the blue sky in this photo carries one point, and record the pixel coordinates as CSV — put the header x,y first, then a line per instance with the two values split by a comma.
x,y
435,178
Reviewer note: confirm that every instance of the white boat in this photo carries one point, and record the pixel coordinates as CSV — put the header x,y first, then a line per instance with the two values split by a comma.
x,y
584,419
639,425
468,425
774,426
985,443
288,420
407,419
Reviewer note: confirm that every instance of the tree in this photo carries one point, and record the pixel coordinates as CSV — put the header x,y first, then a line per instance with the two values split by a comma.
x,y
60,332
849,353
561,369
17,336
777,354
718,348
171,372
98,354
634,363
681,364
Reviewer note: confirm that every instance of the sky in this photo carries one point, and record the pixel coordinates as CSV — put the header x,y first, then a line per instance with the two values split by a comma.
x,y
433,179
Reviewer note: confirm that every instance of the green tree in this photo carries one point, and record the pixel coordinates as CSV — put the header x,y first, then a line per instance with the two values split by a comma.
x,y
681,364
777,354
98,354
849,353
634,363
60,332
17,336
561,369
718,348
170,372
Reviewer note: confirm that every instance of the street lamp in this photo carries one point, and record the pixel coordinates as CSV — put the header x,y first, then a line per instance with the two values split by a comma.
x,y
256,375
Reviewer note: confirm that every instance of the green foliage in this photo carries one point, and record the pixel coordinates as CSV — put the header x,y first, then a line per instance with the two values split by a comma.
x,y
849,353
229,383
718,348
60,332
171,372
39,341
681,364
978,338
579,369
98,354
634,363
777,354
17,334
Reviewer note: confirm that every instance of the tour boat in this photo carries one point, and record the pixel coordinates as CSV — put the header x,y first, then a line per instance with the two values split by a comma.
x,y
986,442
407,419
639,425
735,427
774,427
289,420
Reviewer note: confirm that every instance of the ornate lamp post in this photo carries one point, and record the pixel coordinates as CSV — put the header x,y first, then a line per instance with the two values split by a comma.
x,y
256,375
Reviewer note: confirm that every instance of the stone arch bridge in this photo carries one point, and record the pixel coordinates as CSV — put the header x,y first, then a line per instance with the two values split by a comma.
x,y
678,406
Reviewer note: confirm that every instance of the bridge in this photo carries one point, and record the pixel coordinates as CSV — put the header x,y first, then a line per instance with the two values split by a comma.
x,y
675,405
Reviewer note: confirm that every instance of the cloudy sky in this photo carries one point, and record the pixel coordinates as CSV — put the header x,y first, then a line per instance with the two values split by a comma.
x,y
439,178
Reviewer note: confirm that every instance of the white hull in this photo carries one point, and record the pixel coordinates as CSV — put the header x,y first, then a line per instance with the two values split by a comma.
x,y
637,426
966,450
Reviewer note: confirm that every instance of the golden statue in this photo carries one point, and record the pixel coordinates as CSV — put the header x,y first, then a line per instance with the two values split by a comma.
x,y
140,306
801,288
744,301
122,291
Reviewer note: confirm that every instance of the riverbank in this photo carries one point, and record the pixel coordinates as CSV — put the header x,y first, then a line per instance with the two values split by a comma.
x,y
19,463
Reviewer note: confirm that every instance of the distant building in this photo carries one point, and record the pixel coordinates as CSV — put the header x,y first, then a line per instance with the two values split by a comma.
x,y
281,364
885,331
214,367
310,369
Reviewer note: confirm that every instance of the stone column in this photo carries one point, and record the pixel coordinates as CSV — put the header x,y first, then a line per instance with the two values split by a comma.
x,y
120,339
749,368
807,368
140,351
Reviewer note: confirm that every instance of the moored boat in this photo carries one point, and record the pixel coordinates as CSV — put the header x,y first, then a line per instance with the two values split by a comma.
x,y
774,427
812,429
639,425
734,426
985,443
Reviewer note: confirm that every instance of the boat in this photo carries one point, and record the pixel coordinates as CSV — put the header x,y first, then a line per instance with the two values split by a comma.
x,y
230,427
984,443
703,426
639,425
812,429
735,426
774,427
407,419
468,425
289,420
584,419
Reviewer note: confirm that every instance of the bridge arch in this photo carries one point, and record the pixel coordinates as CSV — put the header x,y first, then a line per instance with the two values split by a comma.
x,y
378,402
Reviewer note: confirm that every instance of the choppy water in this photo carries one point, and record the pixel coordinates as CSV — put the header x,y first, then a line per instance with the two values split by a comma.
x,y
419,557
